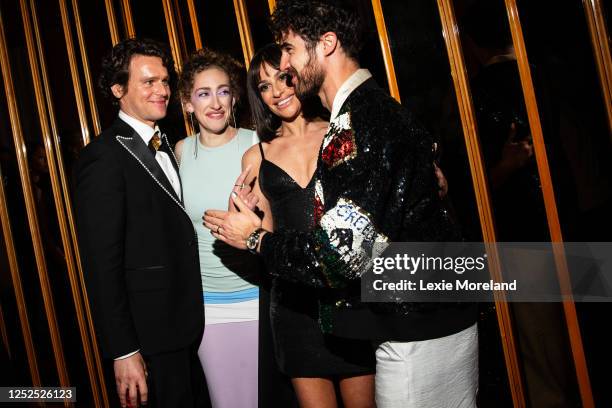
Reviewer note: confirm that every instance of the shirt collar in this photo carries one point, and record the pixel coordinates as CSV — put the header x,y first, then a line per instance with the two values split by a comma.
x,y
145,131
357,78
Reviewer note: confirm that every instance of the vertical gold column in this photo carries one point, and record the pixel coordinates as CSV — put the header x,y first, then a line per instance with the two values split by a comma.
x,y
272,5
76,82
246,39
22,309
176,51
41,266
197,38
86,72
596,22
551,206
112,21
172,35
126,9
180,29
468,121
41,105
383,37
67,201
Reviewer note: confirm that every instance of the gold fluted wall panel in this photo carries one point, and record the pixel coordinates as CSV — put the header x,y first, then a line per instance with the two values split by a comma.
x,y
246,38
76,80
44,106
477,170
77,282
18,287
180,16
550,204
93,108
57,195
383,37
195,27
128,21
33,224
600,39
112,21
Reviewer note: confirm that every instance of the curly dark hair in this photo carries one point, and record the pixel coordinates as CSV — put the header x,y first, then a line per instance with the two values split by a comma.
x,y
204,59
115,65
310,19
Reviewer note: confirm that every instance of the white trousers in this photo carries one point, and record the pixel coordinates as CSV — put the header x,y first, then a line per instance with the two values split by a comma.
x,y
436,373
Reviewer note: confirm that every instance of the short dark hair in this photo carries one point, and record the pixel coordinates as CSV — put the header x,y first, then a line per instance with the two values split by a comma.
x,y
116,64
311,19
266,122
206,58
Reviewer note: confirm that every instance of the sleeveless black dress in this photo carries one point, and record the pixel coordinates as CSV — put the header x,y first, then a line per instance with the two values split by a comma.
x,y
301,349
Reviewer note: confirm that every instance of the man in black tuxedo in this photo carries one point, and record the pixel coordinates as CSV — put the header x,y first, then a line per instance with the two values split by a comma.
x,y
139,248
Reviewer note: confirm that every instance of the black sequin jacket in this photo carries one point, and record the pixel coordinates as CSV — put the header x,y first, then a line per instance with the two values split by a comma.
x,y
375,183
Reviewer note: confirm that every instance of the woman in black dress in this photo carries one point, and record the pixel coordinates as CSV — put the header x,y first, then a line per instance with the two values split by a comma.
x,y
283,167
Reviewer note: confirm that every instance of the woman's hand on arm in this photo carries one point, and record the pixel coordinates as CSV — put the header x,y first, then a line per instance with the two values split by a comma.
x,y
244,191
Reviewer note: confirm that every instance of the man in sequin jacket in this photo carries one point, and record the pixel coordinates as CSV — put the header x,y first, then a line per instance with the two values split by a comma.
x,y
375,183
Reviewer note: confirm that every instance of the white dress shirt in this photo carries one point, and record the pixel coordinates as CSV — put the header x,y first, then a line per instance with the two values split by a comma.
x,y
146,132
358,78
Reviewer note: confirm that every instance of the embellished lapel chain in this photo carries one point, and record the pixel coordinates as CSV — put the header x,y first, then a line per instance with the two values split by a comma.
x,y
175,162
176,167
122,140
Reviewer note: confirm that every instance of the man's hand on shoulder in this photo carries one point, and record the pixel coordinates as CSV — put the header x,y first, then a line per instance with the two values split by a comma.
x,y
131,380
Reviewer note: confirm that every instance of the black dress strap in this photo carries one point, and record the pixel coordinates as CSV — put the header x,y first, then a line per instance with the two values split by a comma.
x,y
261,150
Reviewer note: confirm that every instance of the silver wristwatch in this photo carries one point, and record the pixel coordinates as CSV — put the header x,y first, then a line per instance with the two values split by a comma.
x,y
253,240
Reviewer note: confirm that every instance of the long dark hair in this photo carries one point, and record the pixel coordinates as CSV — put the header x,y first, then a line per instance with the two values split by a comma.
x,y
266,122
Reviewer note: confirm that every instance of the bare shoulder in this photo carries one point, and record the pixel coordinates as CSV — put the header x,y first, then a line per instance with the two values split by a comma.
x,y
252,156
178,149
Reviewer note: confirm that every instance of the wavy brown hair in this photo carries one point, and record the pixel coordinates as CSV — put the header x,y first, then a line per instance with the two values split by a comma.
x,y
116,64
204,59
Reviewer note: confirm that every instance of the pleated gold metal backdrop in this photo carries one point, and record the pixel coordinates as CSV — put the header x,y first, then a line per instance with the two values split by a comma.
x,y
51,107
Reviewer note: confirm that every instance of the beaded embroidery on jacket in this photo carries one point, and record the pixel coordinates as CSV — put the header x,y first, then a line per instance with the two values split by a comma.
x,y
120,140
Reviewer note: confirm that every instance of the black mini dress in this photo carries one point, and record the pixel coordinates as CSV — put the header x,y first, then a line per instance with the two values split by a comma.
x,y
301,349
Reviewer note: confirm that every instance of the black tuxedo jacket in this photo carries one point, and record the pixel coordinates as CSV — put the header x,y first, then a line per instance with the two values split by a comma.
x,y
138,247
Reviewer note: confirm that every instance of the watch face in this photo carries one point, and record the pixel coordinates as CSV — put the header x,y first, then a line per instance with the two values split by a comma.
x,y
251,242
